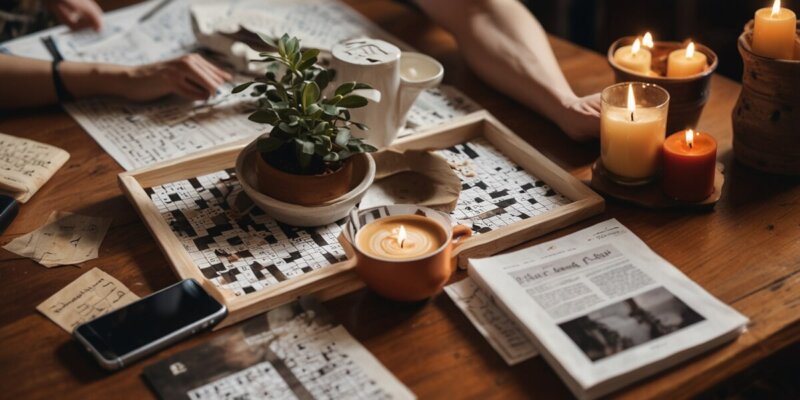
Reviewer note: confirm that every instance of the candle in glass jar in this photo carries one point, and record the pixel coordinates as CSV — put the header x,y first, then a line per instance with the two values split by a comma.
x,y
401,237
634,57
690,160
774,32
686,62
631,136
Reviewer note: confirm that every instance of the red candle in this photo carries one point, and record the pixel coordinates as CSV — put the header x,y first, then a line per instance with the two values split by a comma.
x,y
689,161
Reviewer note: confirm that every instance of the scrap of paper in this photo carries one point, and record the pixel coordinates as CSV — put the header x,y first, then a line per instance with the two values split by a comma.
x,y
26,165
94,294
65,239
501,332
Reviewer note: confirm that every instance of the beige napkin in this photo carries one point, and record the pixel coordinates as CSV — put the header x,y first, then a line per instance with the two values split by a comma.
x,y
413,177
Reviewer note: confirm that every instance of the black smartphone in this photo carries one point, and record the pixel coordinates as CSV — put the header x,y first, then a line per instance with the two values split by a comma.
x,y
8,210
149,324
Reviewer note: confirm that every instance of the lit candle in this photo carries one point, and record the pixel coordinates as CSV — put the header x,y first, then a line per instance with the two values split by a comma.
x,y
647,41
690,159
774,32
686,62
401,237
634,57
631,135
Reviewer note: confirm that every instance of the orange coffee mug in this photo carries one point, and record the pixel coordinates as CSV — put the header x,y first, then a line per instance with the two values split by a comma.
x,y
417,277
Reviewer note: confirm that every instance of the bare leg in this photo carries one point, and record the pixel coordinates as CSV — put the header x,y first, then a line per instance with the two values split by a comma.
x,y
508,48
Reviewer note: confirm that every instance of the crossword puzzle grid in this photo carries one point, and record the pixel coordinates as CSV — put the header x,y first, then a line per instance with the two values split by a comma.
x,y
499,192
246,253
318,355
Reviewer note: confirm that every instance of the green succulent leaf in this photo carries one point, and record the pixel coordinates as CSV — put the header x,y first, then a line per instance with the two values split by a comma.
x,y
345,88
342,137
282,45
352,101
264,117
310,95
241,87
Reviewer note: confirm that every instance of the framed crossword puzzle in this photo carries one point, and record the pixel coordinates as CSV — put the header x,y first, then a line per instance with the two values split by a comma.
x,y
510,193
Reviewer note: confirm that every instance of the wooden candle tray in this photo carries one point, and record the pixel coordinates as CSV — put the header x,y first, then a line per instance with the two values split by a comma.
x,y
510,194
649,195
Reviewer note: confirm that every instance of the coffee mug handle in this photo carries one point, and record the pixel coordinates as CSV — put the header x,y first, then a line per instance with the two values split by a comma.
x,y
460,232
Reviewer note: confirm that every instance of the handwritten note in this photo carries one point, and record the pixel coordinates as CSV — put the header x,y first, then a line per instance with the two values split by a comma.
x,y
94,294
64,239
26,165
502,333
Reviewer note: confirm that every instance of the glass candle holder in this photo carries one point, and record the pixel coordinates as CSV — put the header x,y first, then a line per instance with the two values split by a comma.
x,y
633,125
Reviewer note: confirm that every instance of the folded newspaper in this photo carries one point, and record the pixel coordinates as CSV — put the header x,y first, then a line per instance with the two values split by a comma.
x,y
603,309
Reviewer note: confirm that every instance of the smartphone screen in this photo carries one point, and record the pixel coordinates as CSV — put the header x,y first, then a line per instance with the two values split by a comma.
x,y
150,320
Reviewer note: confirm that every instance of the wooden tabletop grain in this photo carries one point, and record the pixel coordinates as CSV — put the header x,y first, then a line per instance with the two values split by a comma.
x,y
746,252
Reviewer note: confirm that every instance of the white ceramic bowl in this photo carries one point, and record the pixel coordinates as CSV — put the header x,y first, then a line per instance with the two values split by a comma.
x,y
296,215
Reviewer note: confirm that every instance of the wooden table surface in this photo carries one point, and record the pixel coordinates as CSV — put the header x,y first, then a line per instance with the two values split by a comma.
x,y
746,252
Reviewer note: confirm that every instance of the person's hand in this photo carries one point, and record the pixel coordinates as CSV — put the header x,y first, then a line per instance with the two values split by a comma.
x,y
189,76
581,121
76,14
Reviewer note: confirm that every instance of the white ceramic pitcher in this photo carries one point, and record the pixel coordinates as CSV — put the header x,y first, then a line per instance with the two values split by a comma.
x,y
397,78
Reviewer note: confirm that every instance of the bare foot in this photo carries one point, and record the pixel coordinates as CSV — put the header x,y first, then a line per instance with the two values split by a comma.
x,y
581,118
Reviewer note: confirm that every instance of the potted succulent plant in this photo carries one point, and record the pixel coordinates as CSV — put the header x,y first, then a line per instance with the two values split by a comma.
x,y
307,157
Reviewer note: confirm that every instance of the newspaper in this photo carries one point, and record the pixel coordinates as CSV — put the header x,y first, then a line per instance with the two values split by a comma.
x,y
502,333
604,309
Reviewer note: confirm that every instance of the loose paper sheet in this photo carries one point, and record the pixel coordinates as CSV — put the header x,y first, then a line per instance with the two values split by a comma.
x,y
26,165
501,332
295,351
65,239
94,294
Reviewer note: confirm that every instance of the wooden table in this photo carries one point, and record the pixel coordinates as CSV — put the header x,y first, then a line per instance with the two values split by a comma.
x,y
746,252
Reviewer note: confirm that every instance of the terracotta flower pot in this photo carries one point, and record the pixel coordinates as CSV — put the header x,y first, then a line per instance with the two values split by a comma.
x,y
687,95
304,190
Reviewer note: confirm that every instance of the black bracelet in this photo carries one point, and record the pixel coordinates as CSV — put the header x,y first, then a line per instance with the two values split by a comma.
x,y
61,91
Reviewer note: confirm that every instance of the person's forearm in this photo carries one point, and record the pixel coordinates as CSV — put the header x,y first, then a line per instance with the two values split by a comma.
x,y
507,47
26,82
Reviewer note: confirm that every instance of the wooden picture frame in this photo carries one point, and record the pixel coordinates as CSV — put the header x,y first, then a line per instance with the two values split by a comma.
x,y
337,279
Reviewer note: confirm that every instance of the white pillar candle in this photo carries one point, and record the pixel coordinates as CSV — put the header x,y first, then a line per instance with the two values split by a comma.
x,y
774,32
634,57
686,62
631,137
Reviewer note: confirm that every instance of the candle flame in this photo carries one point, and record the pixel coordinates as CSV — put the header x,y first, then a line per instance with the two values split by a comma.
x,y
647,41
690,50
631,101
776,8
636,45
689,136
401,235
